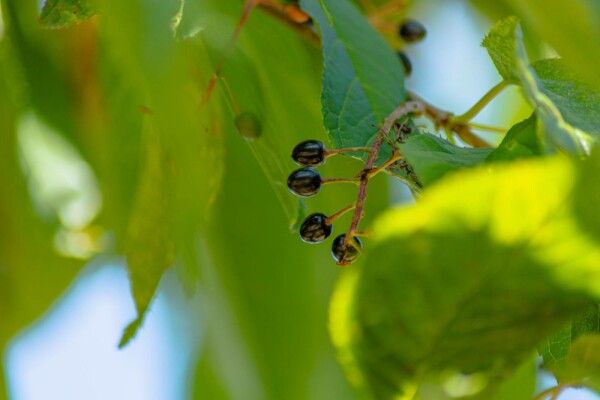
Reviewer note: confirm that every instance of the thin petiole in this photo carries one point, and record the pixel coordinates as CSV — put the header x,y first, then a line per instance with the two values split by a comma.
x,y
338,214
363,234
230,94
333,152
326,181
487,128
480,105
355,245
395,157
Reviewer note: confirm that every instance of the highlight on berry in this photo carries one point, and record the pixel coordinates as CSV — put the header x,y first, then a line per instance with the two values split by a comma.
x,y
309,153
315,228
304,182
345,254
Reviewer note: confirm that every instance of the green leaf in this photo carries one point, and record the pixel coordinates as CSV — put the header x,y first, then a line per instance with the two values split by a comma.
x,y
556,348
571,30
521,141
148,256
181,165
588,198
32,273
433,157
501,47
472,279
566,107
363,79
584,359
577,101
64,13
522,384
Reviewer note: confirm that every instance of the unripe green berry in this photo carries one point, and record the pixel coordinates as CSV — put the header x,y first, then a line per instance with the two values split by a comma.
x,y
248,125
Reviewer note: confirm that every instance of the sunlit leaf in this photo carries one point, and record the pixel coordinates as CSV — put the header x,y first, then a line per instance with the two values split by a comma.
x,y
472,279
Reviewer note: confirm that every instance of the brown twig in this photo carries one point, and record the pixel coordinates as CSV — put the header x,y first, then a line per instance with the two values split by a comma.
x,y
366,173
443,120
304,28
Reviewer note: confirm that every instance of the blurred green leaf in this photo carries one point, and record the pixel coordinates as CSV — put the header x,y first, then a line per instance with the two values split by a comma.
x,y
32,273
521,141
522,384
265,289
433,157
588,198
472,279
556,348
148,256
584,358
182,149
363,79
64,13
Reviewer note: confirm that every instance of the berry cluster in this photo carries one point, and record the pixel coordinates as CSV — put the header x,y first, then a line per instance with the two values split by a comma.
x,y
410,31
306,182
310,154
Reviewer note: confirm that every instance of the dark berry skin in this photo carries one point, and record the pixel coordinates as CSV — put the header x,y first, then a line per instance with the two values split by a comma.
x,y
315,229
304,182
310,153
412,31
344,255
405,62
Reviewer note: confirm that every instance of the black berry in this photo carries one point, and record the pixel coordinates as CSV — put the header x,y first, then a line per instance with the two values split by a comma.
x,y
342,254
304,182
315,229
412,31
310,153
248,125
405,62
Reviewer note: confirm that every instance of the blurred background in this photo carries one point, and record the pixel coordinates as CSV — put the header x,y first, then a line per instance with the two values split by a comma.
x,y
99,149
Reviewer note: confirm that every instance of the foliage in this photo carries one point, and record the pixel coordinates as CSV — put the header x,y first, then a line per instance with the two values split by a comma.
x,y
181,116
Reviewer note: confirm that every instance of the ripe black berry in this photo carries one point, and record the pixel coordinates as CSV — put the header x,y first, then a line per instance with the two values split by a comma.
x,y
304,182
248,125
315,229
405,62
344,255
412,31
310,153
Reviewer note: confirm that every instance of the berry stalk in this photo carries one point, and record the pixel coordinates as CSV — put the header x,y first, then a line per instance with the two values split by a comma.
x,y
403,109
338,214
